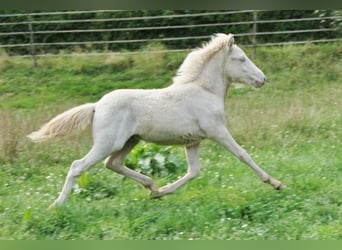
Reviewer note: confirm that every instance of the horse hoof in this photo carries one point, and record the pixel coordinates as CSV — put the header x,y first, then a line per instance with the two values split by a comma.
x,y
155,195
52,206
281,186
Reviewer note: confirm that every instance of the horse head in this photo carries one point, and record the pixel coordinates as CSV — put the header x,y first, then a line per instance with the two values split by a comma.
x,y
239,68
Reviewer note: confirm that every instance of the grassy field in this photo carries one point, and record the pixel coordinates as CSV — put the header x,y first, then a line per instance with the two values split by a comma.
x,y
292,127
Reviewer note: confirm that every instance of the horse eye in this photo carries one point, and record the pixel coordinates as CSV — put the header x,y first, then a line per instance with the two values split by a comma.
x,y
242,59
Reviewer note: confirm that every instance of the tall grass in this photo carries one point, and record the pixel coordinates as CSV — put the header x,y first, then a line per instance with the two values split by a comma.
x,y
291,127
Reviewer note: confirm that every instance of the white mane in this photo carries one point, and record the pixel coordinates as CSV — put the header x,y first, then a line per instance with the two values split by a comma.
x,y
195,61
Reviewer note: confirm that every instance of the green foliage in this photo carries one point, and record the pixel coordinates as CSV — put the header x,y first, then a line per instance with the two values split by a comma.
x,y
154,160
291,127
155,33
27,215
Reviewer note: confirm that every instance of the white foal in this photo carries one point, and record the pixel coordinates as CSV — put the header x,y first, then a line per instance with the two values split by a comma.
x,y
186,112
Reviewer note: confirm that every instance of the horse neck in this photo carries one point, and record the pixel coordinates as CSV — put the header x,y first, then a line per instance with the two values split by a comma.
x,y
212,77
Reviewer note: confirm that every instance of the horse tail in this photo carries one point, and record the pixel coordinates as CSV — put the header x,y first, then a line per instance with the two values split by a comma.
x,y
73,119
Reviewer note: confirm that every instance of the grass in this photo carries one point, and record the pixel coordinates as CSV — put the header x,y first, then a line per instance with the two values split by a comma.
x,y
291,127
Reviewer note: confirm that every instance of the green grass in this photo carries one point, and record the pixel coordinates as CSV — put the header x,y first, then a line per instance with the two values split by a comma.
x,y
291,127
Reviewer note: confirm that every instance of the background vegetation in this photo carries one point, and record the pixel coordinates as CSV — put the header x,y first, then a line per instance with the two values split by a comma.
x,y
291,127
159,33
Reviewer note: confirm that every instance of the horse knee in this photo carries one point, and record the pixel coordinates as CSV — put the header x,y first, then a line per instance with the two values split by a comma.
x,y
77,169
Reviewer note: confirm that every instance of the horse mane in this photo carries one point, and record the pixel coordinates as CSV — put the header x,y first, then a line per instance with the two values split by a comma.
x,y
193,64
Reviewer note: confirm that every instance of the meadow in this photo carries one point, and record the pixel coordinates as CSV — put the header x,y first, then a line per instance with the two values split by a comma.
x,y
292,127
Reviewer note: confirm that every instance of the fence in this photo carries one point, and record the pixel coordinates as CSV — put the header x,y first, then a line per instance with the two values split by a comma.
x,y
251,35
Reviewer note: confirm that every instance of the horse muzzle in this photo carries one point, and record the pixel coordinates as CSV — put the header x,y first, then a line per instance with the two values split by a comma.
x,y
260,82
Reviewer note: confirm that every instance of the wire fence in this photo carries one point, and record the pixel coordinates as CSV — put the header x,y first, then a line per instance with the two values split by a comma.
x,y
32,27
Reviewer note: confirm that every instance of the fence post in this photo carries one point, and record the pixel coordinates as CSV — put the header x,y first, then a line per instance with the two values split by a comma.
x,y
33,48
255,30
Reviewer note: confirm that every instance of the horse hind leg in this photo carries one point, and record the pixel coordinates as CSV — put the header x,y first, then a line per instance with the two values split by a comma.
x,y
115,162
77,168
106,141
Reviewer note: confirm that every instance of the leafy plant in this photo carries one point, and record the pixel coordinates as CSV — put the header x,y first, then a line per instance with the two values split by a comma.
x,y
27,215
151,159
93,188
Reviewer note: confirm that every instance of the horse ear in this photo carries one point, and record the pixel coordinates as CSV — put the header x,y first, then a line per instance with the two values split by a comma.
x,y
230,41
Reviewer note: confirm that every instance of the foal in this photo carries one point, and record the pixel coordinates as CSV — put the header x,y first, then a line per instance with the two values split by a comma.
x,y
188,111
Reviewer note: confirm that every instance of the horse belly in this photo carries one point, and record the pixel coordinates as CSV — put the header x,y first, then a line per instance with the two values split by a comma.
x,y
169,133
167,138
186,139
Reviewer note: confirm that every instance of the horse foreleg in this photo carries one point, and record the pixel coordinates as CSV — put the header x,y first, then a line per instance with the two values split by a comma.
x,y
192,154
223,137
115,162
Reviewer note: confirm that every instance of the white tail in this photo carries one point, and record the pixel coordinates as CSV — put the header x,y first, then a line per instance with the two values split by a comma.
x,y
76,118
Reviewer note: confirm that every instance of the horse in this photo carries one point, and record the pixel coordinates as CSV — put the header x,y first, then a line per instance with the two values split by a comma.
x,y
186,112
